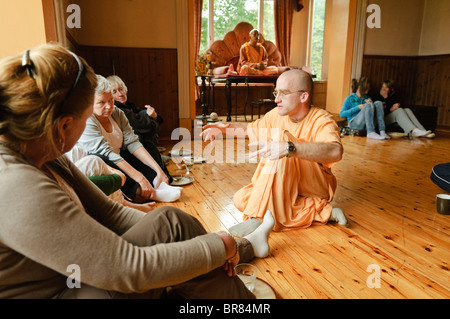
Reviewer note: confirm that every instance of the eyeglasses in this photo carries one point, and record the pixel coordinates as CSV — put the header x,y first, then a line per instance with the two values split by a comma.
x,y
28,64
282,93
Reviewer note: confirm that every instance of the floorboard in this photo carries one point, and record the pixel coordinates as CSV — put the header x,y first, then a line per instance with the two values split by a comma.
x,y
384,187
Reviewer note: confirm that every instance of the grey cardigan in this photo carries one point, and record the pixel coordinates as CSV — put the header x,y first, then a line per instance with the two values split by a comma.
x,y
93,142
42,231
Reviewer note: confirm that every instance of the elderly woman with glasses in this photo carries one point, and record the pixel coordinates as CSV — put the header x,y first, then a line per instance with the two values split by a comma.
x,y
60,236
298,143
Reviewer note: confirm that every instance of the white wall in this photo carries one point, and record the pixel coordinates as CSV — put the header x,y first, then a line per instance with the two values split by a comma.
x,y
435,38
21,26
410,28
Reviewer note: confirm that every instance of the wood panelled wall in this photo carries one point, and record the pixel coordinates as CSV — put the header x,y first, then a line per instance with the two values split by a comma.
x,y
255,92
420,80
150,75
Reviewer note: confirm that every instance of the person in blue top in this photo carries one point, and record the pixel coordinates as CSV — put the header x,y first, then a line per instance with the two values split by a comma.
x,y
362,113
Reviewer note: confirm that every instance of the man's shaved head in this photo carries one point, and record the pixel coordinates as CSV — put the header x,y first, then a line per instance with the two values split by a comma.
x,y
299,79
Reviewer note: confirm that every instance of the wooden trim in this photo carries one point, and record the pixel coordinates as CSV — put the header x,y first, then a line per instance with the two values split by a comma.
x,y
49,21
406,57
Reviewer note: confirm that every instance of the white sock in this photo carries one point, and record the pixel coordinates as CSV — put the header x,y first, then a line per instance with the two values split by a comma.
x,y
375,136
259,237
338,216
167,193
417,132
386,136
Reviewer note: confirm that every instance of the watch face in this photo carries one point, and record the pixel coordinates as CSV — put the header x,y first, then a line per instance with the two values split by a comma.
x,y
291,149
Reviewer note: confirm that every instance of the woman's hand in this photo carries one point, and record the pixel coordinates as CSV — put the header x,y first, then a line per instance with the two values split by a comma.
x,y
151,111
231,253
161,177
147,191
395,107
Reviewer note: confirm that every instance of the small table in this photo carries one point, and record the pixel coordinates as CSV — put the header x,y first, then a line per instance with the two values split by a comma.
x,y
236,79
203,96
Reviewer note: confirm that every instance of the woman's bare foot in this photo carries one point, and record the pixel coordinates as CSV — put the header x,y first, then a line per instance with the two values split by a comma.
x,y
146,207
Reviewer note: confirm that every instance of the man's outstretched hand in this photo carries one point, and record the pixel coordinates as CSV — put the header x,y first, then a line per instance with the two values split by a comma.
x,y
210,131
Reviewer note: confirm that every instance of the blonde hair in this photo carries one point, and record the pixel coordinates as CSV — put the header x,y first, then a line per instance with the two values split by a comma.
x,y
34,99
117,82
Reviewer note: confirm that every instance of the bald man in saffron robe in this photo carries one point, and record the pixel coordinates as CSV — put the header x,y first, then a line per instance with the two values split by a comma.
x,y
298,144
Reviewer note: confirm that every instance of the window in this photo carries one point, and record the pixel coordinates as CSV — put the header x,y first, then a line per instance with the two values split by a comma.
x,y
316,38
221,16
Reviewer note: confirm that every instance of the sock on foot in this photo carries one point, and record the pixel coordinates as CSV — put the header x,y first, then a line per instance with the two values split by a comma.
x,y
259,237
374,136
385,135
166,193
417,133
338,216
244,228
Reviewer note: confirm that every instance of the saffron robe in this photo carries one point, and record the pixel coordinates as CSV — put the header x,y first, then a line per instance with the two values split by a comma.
x,y
298,192
248,63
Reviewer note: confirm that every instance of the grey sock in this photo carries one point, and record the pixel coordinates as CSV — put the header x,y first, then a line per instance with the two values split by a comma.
x,y
244,228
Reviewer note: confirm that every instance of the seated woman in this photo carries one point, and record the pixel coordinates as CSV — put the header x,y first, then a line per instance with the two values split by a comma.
x,y
108,179
394,113
109,135
54,221
145,123
361,112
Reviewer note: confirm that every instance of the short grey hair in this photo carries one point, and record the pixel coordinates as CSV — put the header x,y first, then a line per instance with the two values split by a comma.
x,y
103,85
117,82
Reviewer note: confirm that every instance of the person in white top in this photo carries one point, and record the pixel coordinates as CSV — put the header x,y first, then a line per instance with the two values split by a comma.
x,y
109,135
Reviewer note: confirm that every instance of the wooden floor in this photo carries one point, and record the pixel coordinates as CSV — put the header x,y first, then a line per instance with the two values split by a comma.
x,y
384,187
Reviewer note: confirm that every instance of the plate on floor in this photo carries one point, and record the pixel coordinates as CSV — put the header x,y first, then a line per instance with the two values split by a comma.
x,y
397,134
199,159
180,180
180,152
263,290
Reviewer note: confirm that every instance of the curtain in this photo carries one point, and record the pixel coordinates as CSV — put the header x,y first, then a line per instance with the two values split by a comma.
x,y
198,6
283,11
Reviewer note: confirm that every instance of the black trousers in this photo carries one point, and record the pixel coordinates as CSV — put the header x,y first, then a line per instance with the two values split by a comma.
x,y
131,186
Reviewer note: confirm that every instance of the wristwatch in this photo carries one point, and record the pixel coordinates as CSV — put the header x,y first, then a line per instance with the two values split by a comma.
x,y
291,149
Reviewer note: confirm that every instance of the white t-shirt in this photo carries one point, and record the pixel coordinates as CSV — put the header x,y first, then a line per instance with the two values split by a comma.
x,y
115,138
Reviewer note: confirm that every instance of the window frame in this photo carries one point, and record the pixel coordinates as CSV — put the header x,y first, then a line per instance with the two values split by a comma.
x,y
309,45
210,36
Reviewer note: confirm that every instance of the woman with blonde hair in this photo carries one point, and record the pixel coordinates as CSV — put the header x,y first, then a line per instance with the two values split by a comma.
x,y
55,223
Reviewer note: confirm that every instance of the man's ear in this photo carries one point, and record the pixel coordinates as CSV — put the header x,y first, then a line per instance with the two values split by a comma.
x,y
305,97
